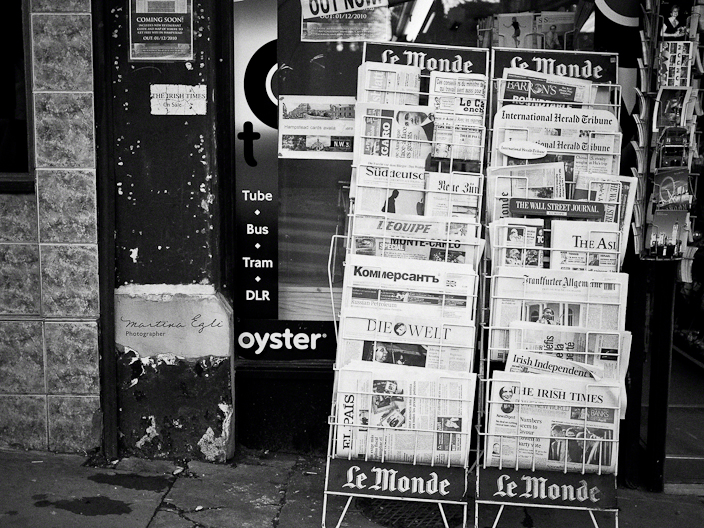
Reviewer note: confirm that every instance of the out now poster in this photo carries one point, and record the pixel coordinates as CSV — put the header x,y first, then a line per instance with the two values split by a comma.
x,y
161,30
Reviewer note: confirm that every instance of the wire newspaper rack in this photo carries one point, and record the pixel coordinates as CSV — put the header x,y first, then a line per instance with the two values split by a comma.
x,y
537,449
410,291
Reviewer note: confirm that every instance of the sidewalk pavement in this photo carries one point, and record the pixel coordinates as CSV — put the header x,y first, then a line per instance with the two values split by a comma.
x,y
45,490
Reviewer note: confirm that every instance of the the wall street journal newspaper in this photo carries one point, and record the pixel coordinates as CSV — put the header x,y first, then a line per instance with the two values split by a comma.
x,y
553,423
541,180
396,414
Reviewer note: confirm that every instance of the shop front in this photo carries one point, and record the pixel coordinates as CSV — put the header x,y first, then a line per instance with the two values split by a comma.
x,y
176,253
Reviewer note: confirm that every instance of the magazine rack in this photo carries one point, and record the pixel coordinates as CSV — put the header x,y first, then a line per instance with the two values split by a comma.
x,y
522,463
396,456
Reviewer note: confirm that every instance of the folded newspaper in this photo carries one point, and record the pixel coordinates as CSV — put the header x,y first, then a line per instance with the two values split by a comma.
x,y
395,135
527,87
541,180
587,140
396,414
419,249
604,355
584,245
457,230
518,242
401,287
394,84
372,335
552,423
554,297
606,351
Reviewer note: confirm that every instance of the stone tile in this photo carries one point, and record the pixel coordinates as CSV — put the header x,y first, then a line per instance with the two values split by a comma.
x,y
72,358
19,279
60,6
23,422
67,206
74,424
69,281
62,53
65,135
18,218
21,357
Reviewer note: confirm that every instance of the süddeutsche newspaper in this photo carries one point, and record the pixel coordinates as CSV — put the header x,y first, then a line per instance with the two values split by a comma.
x,y
553,423
400,414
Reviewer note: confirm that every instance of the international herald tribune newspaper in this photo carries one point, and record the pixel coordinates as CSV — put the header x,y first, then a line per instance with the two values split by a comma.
x,y
587,140
552,423
562,297
399,414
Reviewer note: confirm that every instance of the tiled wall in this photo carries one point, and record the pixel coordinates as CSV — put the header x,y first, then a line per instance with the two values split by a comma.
x,y
49,382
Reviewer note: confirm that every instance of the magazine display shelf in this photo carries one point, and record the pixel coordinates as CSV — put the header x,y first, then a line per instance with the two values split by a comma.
x,y
420,449
527,479
668,143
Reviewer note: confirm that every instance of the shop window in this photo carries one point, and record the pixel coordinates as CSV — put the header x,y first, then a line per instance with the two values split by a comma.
x,y
15,122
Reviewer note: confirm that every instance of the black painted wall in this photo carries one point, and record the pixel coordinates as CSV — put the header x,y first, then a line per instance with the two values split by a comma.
x,y
164,166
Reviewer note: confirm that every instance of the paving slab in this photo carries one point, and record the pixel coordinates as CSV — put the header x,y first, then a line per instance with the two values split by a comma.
x,y
45,490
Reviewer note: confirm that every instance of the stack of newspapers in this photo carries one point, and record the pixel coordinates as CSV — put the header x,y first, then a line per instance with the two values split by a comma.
x,y
406,345
559,216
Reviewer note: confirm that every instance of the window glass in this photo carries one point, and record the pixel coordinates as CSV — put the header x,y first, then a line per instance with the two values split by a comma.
x,y
14,137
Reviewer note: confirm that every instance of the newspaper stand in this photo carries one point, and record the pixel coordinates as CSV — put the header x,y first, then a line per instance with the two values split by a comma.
x,y
416,475
526,481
